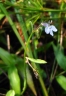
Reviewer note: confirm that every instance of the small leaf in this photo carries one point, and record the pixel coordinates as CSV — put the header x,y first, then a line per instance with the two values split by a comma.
x,y
1,16
60,57
14,79
3,67
7,57
10,93
36,60
30,82
61,81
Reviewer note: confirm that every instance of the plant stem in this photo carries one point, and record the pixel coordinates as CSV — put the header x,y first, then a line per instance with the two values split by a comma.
x,y
29,53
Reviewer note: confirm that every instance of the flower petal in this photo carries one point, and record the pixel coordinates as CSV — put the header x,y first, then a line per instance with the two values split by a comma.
x,y
51,32
47,30
53,28
45,24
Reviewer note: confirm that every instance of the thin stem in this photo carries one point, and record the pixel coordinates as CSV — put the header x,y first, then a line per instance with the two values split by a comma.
x,y
25,77
28,52
8,42
40,9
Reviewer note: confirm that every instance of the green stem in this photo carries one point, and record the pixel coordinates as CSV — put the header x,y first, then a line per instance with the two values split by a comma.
x,y
25,77
42,9
45,93
29,53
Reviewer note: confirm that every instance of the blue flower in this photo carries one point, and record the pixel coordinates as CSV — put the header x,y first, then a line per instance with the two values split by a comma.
x,y
49,29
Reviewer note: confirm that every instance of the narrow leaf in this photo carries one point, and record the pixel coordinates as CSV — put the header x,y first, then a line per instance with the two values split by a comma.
x,y
1,16
6,57
39,61
61,81
59,55
10,93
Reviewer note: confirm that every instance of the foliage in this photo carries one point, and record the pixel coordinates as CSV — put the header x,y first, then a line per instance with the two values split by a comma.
x,y
31,21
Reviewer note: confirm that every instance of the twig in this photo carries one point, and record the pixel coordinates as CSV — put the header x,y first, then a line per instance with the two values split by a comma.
x,y
34,70
2,94
61,37
8,42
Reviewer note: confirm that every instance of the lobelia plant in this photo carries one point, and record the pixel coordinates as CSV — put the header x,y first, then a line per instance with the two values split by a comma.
x,y
29,15
49,29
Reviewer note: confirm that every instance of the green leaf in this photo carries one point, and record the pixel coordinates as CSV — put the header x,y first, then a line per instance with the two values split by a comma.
x,y
3,67
14,79
11,23
10,93
59,55
1,16
61,81
39,61
6,57
29,78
